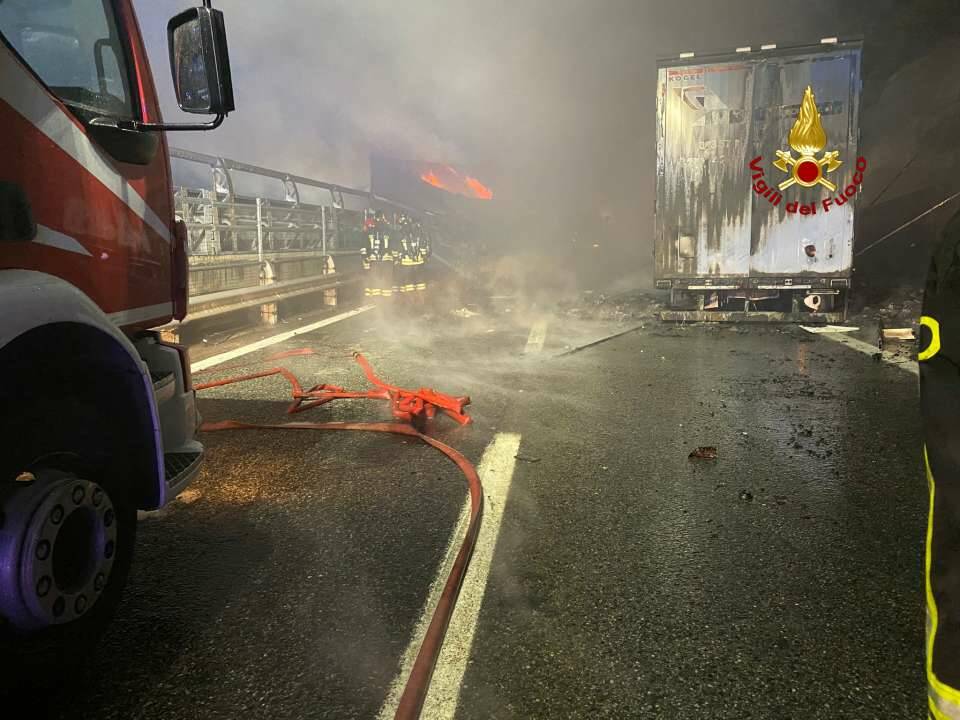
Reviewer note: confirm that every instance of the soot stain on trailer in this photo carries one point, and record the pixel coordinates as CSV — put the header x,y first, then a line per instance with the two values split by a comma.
x,y
711,120
703,141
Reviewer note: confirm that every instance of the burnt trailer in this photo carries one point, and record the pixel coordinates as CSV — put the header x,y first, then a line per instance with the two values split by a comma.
x,y
758,178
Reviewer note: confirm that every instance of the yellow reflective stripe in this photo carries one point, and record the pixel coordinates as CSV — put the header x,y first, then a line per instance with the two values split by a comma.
x,y
934,347
941,689
935,713
951,712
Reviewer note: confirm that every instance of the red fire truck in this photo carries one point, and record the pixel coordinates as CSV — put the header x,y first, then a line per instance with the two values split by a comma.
x,y
97,415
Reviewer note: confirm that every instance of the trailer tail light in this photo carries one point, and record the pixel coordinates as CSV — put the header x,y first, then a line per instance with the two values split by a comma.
x,y
180,274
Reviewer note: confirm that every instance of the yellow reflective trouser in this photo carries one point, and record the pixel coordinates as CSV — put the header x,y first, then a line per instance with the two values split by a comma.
x,y
378,279
940,402
939,393
943,700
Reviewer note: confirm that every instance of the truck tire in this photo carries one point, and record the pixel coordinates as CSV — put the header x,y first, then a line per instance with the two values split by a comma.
x,y
71,541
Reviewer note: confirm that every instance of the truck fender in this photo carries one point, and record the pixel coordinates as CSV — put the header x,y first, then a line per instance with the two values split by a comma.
x,y
34,302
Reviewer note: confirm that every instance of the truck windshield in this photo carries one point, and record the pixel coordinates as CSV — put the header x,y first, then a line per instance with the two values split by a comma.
x,y
75,48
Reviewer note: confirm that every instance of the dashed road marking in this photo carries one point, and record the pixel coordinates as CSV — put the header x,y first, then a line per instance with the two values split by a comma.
x,y
910,366
274,339
538,334
496,474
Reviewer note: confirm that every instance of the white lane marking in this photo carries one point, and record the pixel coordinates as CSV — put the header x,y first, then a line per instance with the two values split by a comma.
x,y
54,238
389,708
274,339
140,314
538,334
496,473
868,349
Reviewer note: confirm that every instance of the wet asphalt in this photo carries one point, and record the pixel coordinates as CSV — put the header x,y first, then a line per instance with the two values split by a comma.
x,y
781,580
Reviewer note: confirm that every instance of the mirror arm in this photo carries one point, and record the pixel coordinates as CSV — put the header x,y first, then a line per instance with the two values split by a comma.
x,y
137,126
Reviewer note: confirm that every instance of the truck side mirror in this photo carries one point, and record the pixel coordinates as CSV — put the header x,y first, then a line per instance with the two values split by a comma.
x,y
199,62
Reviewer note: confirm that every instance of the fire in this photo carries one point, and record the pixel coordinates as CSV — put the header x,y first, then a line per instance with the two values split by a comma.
x,y
447,178
807,136
431,179
480,190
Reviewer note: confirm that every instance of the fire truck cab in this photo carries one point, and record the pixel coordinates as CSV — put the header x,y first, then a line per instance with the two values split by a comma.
x,y
97,414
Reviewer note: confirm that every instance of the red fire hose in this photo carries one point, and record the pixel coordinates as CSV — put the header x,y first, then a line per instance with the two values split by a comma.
x,y
413,408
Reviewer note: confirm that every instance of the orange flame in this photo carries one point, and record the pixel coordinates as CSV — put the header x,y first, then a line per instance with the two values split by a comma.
x,y
431,179
807,136
447,178
479,189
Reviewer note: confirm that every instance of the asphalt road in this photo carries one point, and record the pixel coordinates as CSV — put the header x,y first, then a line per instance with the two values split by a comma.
x,y
781,580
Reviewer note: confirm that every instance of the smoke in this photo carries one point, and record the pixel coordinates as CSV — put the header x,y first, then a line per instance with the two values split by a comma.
x,y
550,102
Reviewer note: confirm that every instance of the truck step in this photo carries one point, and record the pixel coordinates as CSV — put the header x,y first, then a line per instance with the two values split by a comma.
x,y
180,465
161,378
164,385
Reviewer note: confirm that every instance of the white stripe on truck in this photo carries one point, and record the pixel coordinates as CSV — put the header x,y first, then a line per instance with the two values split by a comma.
x,y
24,94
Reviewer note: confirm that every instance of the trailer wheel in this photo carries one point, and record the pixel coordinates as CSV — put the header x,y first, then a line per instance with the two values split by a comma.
x,y
66,546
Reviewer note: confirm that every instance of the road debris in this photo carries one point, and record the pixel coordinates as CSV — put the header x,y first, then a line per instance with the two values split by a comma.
x,y
824,329
620,307
601,340
464,312
704,452
525,458
746,496
898,334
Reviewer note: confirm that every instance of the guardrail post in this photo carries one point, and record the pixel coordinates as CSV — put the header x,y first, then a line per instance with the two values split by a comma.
x,y
212,212
337,242
269,314
323,228
329,295
260,229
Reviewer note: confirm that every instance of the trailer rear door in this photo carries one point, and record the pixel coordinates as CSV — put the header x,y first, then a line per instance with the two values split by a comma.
x,y
779,238
703,226
713,117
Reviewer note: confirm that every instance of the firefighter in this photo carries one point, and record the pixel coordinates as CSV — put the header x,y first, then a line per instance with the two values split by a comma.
x,y
376,256
389,255
368,254
424,250
939,358
408,256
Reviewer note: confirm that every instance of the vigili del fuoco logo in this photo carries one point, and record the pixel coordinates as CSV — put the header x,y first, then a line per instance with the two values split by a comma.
x,y
807,138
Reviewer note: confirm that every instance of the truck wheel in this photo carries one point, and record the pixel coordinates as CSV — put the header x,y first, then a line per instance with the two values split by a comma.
x,y
66,545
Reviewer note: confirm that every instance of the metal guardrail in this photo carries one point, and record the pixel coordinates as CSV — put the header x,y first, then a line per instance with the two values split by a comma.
x,y
266,296
222,221
213,278
248,225
252,250
219,303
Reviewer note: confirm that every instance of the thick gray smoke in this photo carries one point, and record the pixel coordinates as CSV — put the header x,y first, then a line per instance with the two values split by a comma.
x,y
551,102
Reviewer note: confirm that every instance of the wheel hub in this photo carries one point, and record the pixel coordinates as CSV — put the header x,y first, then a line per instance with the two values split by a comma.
x,y
58,538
